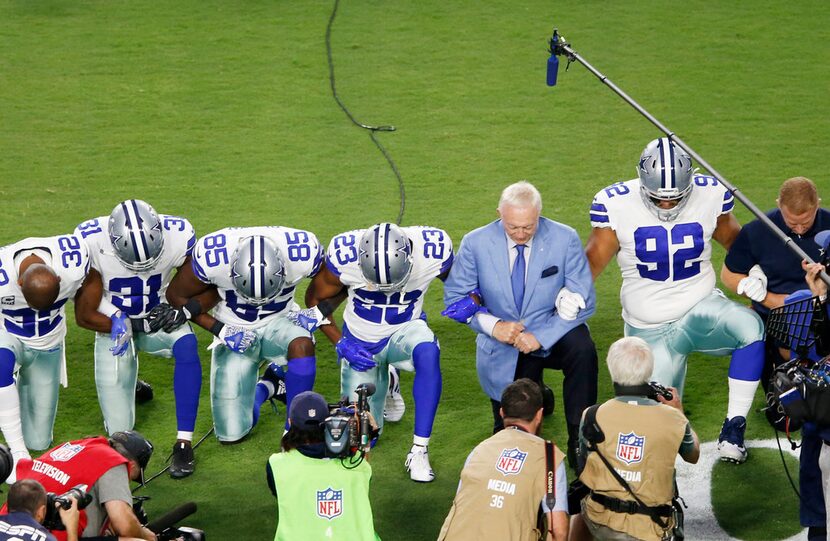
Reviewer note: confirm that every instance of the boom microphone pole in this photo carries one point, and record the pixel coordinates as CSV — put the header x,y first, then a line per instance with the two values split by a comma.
x,y
560,47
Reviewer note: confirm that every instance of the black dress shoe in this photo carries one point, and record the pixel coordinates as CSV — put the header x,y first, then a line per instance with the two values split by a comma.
x,y
548,400
143,391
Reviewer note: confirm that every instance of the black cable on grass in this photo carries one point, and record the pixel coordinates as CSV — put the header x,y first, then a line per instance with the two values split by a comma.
x,y
784,462
372,129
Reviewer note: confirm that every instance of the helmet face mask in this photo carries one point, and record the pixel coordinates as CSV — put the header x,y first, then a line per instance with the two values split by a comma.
x,y
257,270
136,235
385,257
665,172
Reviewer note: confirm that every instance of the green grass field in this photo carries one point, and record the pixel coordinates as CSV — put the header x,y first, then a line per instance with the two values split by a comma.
x,y
222,112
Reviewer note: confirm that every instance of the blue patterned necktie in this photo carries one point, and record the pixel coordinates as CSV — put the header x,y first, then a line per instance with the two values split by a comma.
x,y
517,278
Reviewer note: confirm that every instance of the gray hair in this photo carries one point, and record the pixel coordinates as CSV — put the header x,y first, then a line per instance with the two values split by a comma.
x,y
521,194
630,361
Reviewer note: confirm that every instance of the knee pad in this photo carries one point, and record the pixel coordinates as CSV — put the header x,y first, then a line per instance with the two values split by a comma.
x,y
744,325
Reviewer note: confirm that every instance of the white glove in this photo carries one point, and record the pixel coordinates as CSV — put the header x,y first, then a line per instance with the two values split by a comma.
x,y
236,339
568,304
309,319
754,286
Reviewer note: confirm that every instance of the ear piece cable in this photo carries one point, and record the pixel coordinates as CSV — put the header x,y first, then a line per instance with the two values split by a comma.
x,y
372,129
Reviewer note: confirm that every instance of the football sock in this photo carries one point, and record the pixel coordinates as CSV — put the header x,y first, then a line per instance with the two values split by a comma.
x,y
426,388
299,377
6,367
187,382
741,394
747,363
418,440
10,423
744,375
264,390
186,436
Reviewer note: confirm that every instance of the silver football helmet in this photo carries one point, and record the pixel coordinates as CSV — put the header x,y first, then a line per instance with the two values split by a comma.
x,y
136,235
385,257
257,270
665,172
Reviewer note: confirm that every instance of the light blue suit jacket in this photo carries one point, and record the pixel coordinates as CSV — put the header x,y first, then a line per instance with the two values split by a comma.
x,y
557,260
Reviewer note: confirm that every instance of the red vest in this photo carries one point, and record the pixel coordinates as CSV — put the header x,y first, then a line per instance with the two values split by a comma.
x,y
79,462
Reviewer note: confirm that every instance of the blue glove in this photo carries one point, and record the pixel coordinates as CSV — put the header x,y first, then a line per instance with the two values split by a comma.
x,y
121,333
464,309
309,319
355,354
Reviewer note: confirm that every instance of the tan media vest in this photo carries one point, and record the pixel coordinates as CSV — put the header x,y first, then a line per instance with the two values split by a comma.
x,y
502,486
641,442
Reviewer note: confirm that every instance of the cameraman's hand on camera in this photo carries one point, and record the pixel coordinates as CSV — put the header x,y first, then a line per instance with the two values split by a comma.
x,y
70,518
356,355
674,402
817,285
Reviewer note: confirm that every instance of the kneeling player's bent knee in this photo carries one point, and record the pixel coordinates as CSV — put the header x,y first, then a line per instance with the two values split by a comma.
x,y
232,384
301,347
744,325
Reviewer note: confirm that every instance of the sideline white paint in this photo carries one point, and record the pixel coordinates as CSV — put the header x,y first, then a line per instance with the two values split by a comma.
x,y
695,484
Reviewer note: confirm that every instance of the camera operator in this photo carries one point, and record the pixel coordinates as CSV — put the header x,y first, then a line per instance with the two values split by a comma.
x,y
318,497
502,491
26,511
814,462
632,489
106,466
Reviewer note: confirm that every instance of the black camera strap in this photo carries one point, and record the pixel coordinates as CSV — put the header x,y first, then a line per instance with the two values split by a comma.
x,y
550,488
634,390
656,514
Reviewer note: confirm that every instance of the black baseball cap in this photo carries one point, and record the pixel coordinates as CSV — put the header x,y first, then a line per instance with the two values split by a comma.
x,y
134,446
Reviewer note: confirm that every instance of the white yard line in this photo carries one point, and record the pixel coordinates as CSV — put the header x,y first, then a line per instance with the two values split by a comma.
x,y
695,484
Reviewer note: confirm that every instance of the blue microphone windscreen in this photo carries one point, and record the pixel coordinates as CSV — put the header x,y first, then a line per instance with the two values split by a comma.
x,y
553,69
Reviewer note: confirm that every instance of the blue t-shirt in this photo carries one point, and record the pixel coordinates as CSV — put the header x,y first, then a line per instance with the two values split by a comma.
x,y
756,244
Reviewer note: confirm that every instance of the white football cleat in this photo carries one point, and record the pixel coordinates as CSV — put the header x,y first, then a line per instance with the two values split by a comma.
x,y
417,463
16,456
394,407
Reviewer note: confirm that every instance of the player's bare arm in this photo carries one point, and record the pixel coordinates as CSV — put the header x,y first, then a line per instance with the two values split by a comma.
x,y
87,300
186,287
123,521
727,230
732,279
602,246
327,288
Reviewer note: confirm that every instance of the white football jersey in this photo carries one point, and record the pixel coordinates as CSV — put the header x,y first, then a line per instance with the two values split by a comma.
x,y
41,329
666,267
372,315
137,292
301,255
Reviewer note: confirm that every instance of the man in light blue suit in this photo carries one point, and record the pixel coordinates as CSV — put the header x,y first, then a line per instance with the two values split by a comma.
x,y
524,285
